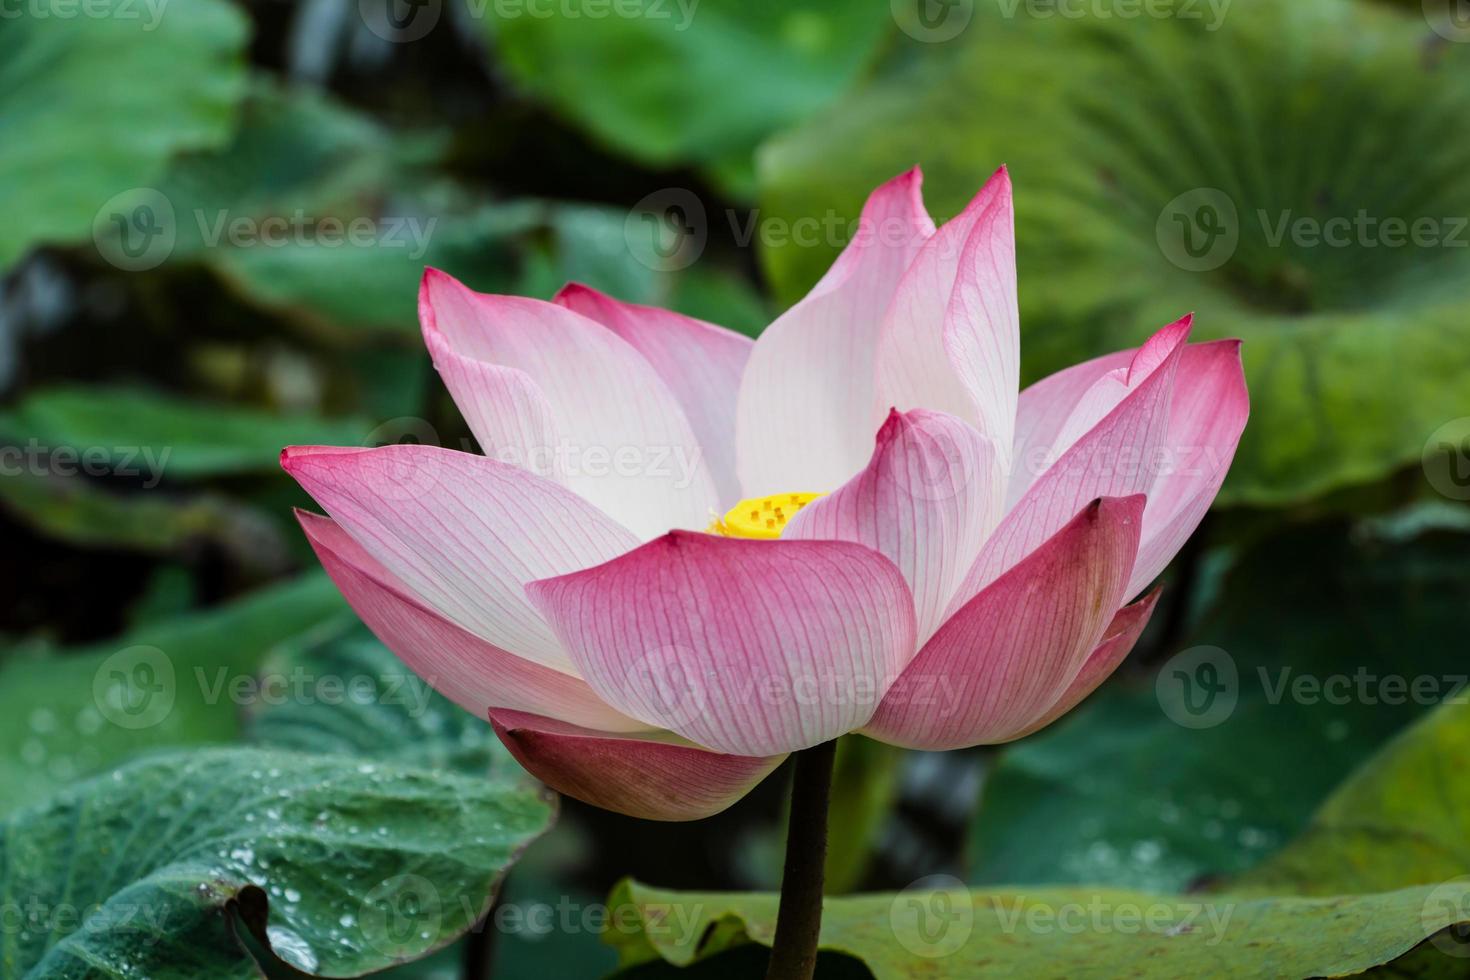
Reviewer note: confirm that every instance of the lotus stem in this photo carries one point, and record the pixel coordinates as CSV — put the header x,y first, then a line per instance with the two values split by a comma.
x,y
799,921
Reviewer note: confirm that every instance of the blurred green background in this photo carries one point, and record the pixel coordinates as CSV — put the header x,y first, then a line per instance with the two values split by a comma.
x,y
216,215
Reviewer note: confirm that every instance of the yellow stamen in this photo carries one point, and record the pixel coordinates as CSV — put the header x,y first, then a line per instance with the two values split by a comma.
x,y
761,518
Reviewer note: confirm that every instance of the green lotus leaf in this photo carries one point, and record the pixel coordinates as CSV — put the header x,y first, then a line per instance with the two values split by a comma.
x,y
1402,819
670,82
149,436
942,930
132,83
73,712
1322,644
338,866
344,693
1291,170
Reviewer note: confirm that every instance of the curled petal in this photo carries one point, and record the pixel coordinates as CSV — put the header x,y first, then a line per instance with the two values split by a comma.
x,y
1117,456
621,438
655,777
1118,640
700,362
474,674
806,409
1043,413
1012,651
1207,416
927,499
463,532
747,647
951,339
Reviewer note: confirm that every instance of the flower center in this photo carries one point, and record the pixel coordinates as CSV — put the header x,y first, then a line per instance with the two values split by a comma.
x,y
762,518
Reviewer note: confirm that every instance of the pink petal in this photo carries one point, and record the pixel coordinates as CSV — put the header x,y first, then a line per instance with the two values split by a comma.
x,y
1043,412
1208,414
463,532
747,647
1011,652
474,674
505,409
806,413
700,362
927,499
951,339
1116,457
621,438
652,777
1118,640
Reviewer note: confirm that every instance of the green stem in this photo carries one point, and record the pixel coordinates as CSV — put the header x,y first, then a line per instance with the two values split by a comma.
x,y
799,921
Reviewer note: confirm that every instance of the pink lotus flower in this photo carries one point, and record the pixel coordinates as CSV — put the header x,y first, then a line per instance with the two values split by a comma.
x,y
686,555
